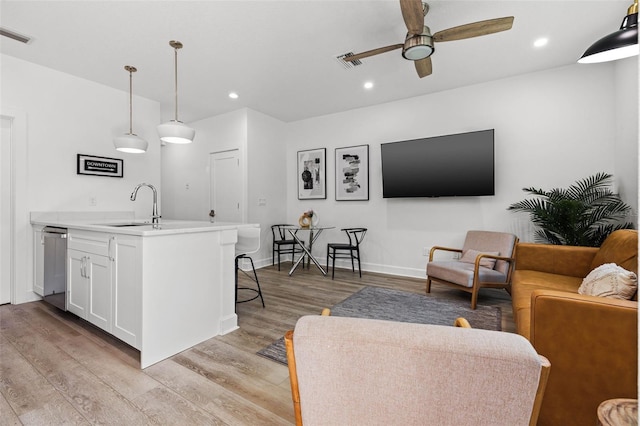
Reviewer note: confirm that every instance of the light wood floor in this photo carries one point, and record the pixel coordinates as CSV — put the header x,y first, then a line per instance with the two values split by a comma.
x,y
55,368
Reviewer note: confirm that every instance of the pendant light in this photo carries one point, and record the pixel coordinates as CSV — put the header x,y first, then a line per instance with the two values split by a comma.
x,y
175,131
130,142
618,45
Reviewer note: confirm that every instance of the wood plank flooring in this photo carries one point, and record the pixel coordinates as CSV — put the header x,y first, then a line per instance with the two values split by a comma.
x,y
56,368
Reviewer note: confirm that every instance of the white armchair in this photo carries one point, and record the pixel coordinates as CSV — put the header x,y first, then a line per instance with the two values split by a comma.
x,y
348,371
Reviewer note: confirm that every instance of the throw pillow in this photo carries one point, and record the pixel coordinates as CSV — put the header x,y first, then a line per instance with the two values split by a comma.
x,y
610,280
469,256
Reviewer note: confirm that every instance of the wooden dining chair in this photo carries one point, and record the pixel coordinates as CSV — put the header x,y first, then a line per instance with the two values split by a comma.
x,y
347,251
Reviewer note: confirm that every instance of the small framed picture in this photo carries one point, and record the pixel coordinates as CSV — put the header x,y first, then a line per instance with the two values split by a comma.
x,y
99,166
352,173
312,176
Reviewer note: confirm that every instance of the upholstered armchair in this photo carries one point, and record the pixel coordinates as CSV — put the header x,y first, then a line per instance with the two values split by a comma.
x,y
486,261
347,371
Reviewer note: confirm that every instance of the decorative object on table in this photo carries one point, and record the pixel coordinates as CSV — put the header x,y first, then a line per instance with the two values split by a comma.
x,y
308,219
130,142
582,215
174,131
617,45
349,250
352,173
212,215
99,166
395,305
312,167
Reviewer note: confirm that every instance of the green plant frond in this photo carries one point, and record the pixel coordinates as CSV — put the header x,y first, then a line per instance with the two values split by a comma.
x,y
589,184
583,214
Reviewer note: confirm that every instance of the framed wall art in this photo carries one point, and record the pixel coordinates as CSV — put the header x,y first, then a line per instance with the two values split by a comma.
x,y
99,166
352,173
312,176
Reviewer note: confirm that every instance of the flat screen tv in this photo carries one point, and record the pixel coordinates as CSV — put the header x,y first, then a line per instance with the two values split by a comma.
x,y
459,165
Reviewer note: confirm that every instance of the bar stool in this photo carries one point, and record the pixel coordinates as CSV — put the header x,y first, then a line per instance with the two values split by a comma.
x,y
248,243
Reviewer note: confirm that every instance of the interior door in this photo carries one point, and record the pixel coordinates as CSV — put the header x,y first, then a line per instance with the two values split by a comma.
x,y
226,186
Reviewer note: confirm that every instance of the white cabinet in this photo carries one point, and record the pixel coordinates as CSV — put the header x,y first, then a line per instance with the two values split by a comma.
x,y
89,279
104,282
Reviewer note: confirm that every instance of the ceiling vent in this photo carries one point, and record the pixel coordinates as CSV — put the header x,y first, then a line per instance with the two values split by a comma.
x,y
348,64
14,35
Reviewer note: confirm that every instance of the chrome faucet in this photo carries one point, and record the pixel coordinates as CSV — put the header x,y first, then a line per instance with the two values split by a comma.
x,y
155,217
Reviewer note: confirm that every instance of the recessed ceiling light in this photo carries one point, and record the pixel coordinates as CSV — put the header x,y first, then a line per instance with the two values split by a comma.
x,y
368,85
233,95
541,42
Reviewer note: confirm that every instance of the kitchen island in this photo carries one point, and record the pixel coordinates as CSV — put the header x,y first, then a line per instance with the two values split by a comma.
x,y
160,288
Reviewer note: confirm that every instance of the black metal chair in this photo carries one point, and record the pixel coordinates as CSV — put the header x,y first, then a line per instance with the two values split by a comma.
x,y
347,251
284,245
248,243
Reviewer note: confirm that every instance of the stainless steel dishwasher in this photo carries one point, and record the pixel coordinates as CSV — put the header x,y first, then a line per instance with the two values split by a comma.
x,y
55,266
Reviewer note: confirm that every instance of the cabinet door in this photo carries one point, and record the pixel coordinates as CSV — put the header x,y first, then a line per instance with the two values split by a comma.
x,y
38,264
77,286
127,289
98,275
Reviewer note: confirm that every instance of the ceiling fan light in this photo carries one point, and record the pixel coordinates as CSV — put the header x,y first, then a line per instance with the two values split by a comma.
x,y
176,132
415,53
131,143
418,46
618,45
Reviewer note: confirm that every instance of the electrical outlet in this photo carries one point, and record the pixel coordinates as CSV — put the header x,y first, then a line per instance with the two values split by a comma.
x,y
93,201
425,251
456,255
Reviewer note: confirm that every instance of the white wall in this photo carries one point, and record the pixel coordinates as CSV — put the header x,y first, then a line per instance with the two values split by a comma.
x,y
184,165
66,116
551,128
258,138
626,136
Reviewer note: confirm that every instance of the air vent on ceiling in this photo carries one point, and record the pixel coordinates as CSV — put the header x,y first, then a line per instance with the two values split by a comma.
x,y
348,64
14,35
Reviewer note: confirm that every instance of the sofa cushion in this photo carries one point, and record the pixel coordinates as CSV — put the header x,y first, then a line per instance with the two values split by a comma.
x,y
527,282
470,255
610,280
621,248
461,273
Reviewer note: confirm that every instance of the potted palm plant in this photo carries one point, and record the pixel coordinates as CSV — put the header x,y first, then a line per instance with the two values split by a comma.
x,y
583,214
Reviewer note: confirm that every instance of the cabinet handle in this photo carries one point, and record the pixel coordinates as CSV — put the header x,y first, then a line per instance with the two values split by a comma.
x,y
82,266
86,269
111,258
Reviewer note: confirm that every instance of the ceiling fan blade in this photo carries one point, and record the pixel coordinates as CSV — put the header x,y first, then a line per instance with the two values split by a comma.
x,y
474,29
368,53
423,67
413,15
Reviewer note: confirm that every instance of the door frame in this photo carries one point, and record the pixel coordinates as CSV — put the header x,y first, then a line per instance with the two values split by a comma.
x,y
21,235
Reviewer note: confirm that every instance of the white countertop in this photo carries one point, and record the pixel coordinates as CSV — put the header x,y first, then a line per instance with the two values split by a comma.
x,y
112,223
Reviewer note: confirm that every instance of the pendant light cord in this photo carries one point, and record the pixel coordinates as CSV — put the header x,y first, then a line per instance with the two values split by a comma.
x,y
176,79
130,101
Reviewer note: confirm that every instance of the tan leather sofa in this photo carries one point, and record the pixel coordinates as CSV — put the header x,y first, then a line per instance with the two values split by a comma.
x,y
591,342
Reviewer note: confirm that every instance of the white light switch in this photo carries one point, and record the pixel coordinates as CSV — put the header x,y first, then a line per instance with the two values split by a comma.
x,y
262,201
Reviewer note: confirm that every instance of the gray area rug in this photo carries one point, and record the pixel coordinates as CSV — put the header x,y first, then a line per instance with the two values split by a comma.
x,y
394,305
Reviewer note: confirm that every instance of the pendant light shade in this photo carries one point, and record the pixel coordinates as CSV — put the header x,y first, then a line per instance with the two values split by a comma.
x,y
130,142
174,131
618,45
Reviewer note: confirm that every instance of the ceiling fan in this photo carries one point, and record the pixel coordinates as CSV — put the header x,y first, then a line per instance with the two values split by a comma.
x,y
418,44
